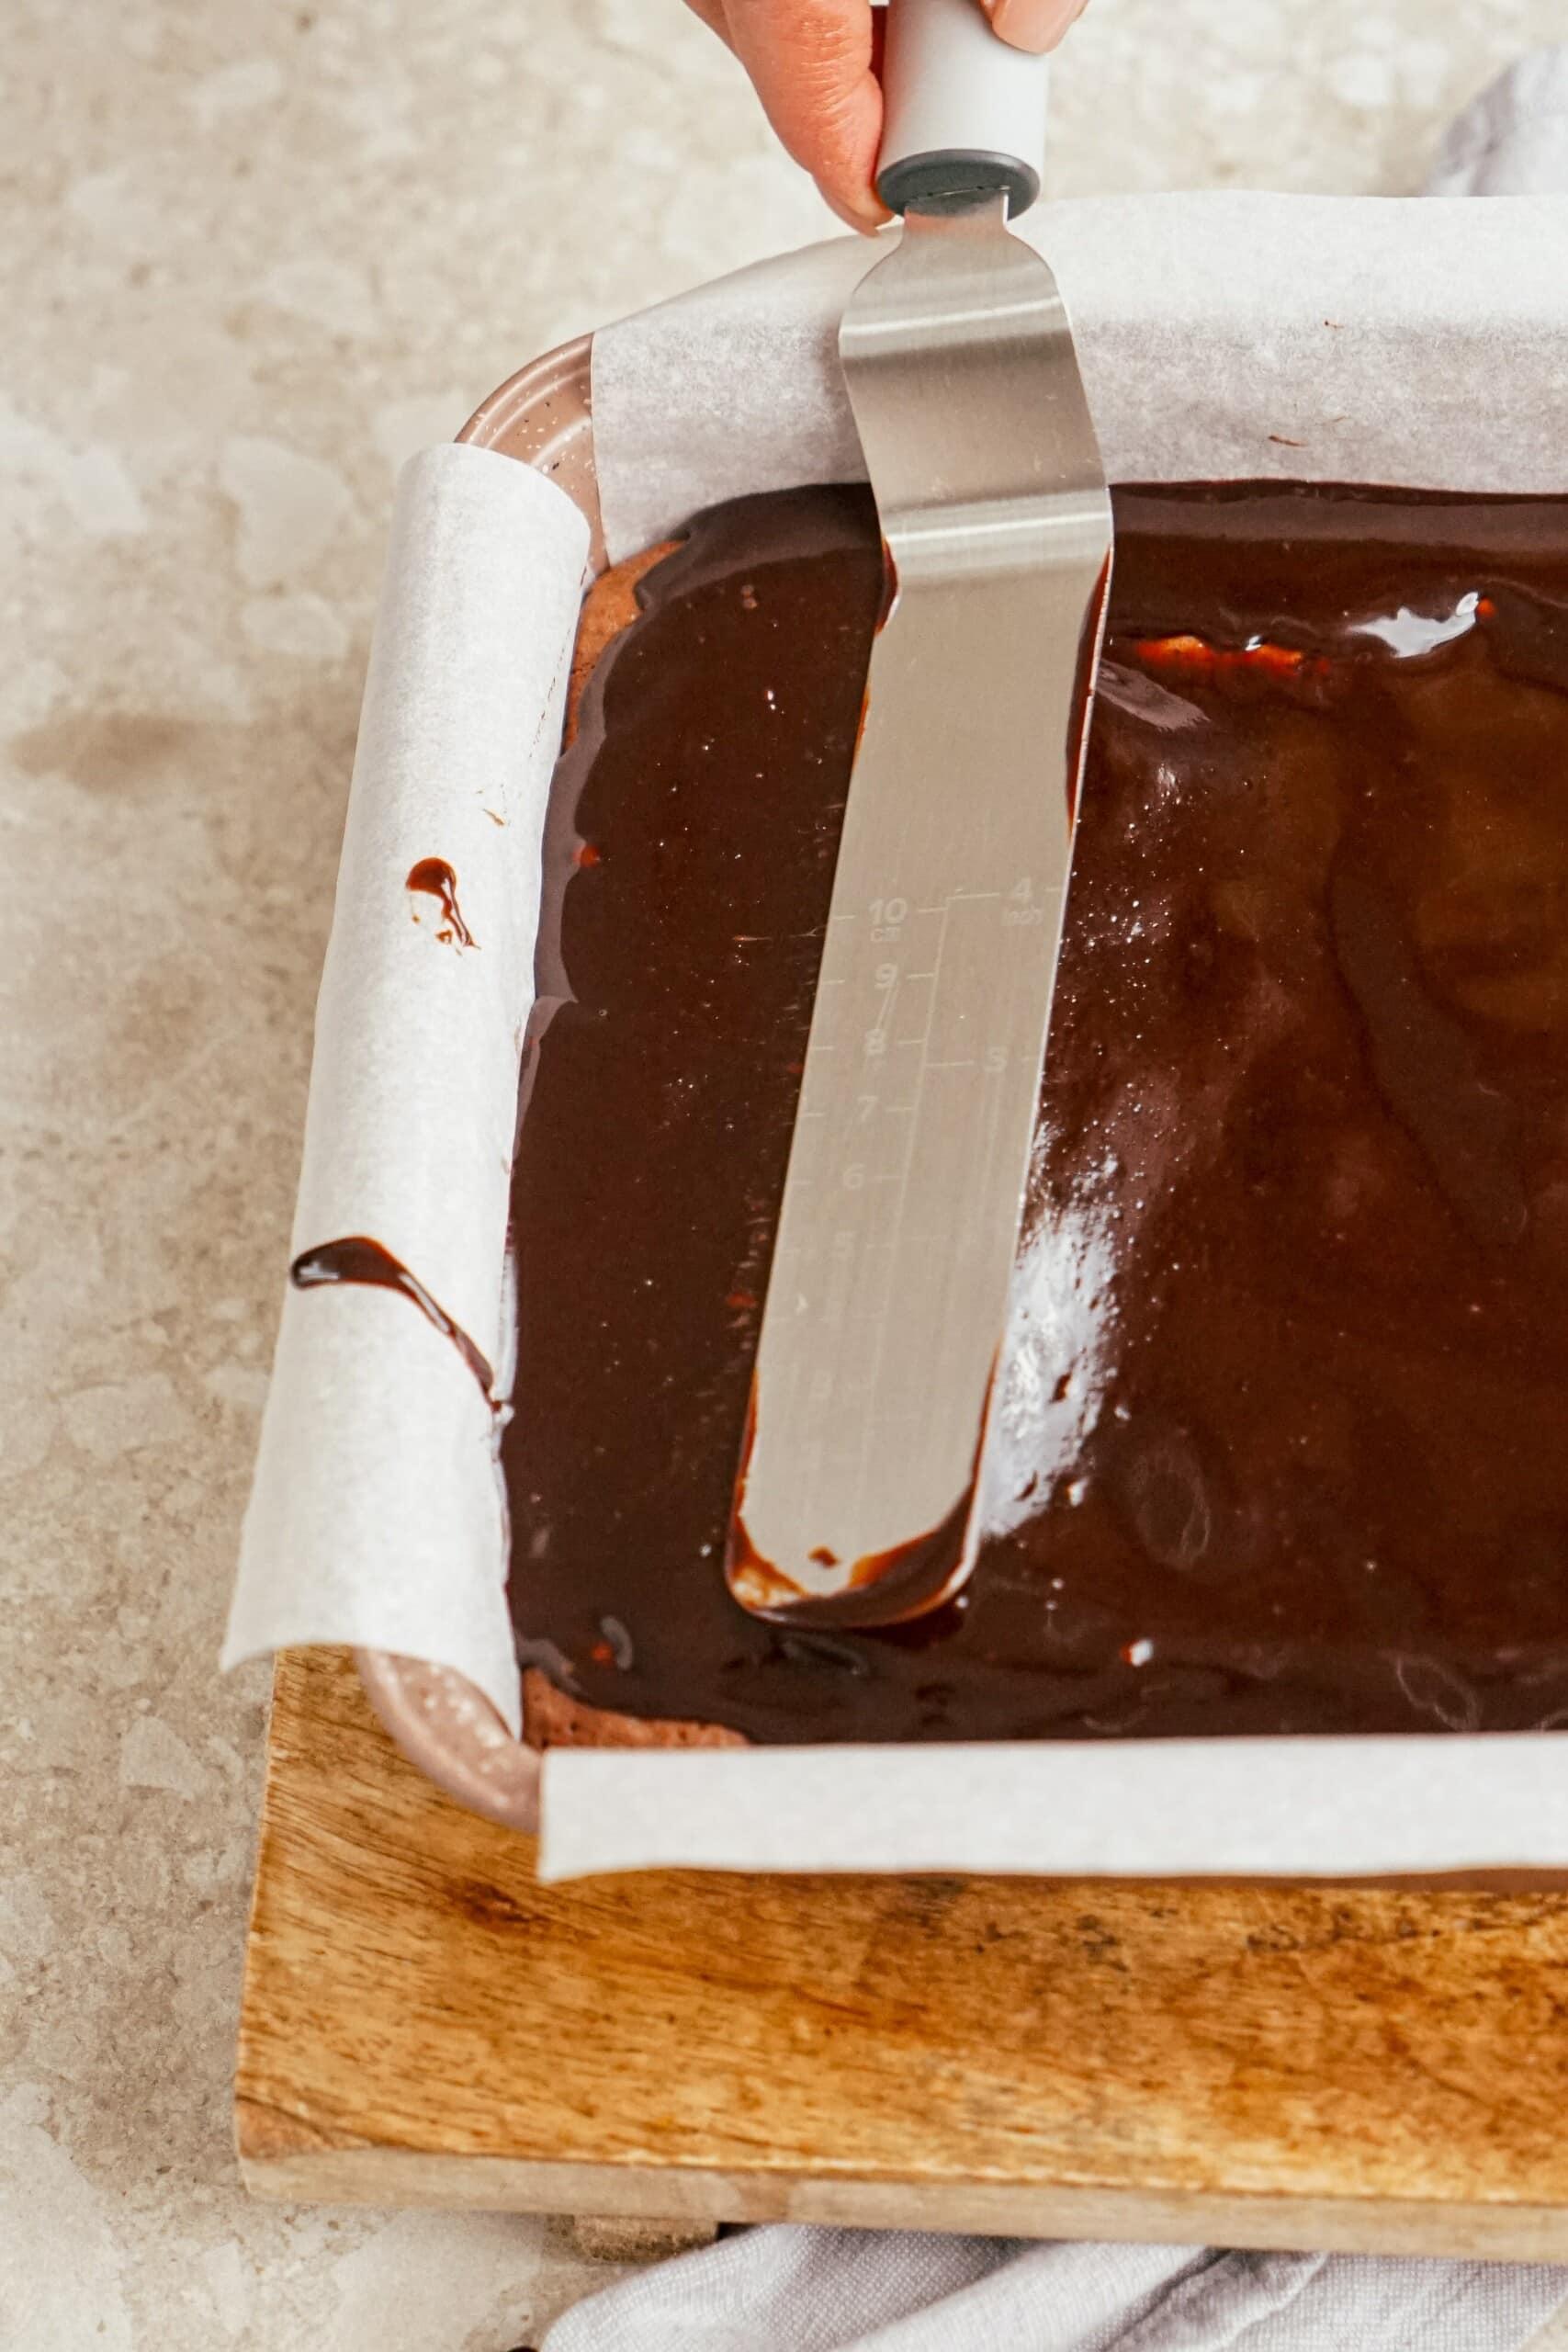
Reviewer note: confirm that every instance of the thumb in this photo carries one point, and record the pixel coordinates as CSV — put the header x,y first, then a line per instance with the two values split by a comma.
x,y
1032,23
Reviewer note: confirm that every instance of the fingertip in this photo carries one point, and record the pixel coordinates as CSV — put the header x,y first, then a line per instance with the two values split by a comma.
x,y
812,67
849,168
1032,25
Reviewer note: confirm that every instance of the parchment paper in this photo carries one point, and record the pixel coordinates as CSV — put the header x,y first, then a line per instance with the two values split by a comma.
x,y
1230,336
376,1516
1241,1808
1221,337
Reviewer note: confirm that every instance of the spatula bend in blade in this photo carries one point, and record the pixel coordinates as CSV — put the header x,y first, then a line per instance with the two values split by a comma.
x,y
888,1294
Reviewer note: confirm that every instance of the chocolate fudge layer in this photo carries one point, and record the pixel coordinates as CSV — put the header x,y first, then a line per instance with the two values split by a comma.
x,y
1281,1435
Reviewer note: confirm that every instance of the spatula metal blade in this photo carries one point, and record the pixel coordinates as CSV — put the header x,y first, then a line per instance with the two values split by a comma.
x,y
889,1294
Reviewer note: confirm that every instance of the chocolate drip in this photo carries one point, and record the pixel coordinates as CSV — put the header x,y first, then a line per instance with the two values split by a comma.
x,y
1276,1442
359,1259
435,878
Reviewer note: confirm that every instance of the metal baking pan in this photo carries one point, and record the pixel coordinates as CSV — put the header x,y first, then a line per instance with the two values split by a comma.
x,y
542,417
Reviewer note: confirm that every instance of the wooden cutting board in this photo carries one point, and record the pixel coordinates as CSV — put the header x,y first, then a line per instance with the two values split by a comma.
x,y
423,2023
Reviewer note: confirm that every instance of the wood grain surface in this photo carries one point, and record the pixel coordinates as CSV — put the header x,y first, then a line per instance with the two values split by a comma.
x,y
424,2023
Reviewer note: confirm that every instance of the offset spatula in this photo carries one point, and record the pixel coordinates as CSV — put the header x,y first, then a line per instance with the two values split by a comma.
x,y
888,1296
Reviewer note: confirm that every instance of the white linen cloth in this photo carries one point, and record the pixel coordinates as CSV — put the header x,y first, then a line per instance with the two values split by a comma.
x,y
792,2289
796,2290
1513,138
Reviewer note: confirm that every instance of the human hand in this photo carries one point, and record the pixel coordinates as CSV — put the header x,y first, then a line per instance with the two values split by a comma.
x,y
815,66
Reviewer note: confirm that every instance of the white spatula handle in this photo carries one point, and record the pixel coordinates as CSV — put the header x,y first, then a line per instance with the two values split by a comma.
x,y
965,113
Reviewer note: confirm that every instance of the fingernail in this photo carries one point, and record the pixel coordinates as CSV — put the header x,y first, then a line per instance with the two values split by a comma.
x,y
867,218
1035,23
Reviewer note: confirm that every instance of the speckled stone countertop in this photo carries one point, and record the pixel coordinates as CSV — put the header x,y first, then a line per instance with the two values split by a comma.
x,y
251,254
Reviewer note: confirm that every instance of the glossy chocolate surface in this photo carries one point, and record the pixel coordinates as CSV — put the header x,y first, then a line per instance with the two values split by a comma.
x,y
1282,1439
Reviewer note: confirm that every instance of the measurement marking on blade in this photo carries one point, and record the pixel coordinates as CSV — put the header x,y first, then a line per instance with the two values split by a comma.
x,y
968,1063
977,894
885,1009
